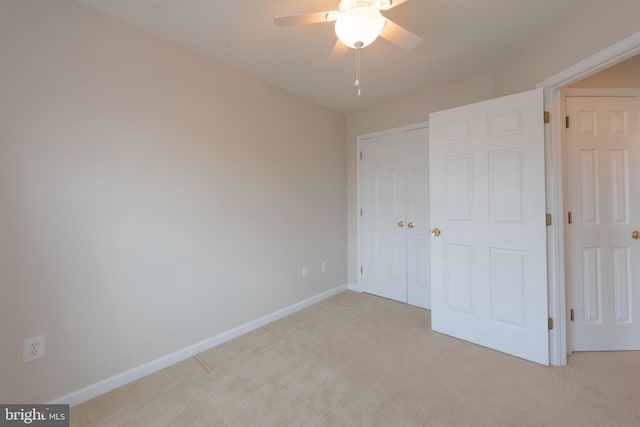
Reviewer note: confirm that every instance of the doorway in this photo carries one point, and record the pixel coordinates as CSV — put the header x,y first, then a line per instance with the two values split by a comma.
x,y
602,198
558,310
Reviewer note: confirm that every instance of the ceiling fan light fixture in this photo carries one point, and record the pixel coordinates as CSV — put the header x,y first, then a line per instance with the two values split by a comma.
x,y
357,24
360,26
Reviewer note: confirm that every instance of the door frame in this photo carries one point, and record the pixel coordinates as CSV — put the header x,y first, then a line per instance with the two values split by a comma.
x,y
361,138
555,172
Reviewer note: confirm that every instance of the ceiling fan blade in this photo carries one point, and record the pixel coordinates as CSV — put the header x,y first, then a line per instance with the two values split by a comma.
x,y
399,35
339,51
305,18
393,3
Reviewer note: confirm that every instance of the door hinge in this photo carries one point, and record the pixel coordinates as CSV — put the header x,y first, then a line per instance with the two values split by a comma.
x,y
361,270
571,315
566,122
360,211
547,117
550,323
549,221
570,218
361,155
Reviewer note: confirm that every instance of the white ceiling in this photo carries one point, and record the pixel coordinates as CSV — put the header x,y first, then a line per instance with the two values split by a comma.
x,y
460,38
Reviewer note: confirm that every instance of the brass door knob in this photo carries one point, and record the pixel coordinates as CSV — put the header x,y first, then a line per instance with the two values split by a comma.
x,y
411,225
635,234
435,232
400,223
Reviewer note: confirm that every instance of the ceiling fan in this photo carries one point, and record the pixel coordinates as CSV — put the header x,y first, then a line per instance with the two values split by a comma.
x,y
357,24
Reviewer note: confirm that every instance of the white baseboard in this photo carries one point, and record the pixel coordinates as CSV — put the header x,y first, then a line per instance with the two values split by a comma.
x,y
354,288
106,385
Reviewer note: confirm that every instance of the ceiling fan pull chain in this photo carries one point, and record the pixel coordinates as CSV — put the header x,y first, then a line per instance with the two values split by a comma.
x,y
357,82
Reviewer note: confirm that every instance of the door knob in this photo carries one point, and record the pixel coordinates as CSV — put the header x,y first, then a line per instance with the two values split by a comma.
x,y
411,225
635,234
400,223
435,232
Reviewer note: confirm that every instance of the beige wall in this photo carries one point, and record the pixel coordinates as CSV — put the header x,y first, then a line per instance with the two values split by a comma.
x,y
592,28
149,198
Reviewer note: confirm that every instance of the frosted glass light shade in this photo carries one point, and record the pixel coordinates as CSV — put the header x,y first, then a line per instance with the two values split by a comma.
x,y
360,24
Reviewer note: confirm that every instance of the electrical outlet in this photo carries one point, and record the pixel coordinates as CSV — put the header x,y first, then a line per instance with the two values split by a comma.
x,y
33,349
323,266
305,272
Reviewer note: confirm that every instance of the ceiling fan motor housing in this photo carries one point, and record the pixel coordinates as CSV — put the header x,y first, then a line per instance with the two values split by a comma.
x,y
350,4
360,25
357,24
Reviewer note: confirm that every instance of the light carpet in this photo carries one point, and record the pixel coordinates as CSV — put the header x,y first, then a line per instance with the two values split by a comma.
x,y
359,360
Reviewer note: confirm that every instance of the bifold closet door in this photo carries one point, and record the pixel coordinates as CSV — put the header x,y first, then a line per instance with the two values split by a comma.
x,y
418,236
394,216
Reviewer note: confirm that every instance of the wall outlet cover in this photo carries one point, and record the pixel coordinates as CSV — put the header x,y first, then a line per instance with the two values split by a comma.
x,y
33,349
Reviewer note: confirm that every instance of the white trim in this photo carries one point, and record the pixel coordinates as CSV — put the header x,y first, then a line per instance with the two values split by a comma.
x,y
612,55
106,385
361,138
555,181
354,288
420,125
555,236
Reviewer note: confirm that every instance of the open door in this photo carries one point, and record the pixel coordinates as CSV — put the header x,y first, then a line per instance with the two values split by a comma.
x,y
488,243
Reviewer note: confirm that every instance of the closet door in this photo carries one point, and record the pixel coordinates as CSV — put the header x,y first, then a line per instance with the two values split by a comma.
x,y
383,210
393,192
418,231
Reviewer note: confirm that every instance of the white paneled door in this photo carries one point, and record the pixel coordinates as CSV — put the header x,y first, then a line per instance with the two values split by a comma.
x,y
383,216
417,187
393,193
488,243
603,154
